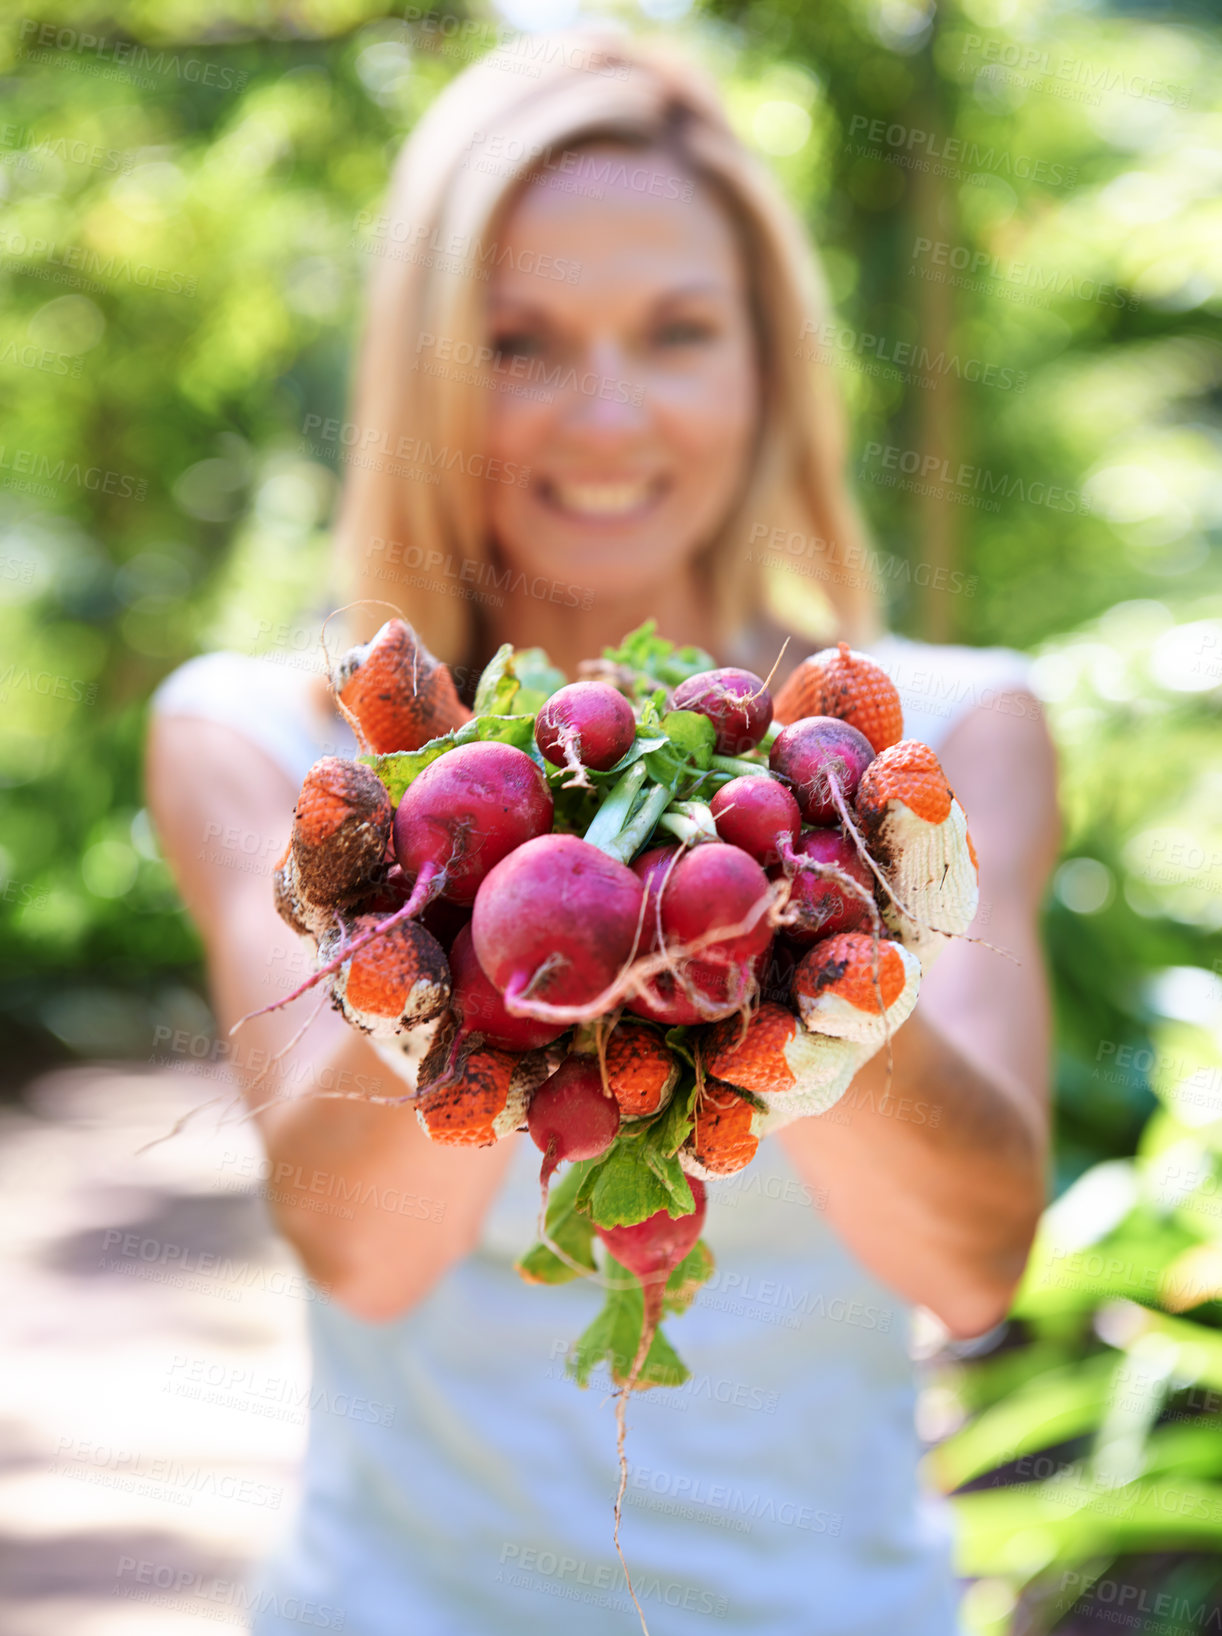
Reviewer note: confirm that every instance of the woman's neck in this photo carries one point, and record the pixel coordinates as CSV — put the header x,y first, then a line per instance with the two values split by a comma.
x,y
682,609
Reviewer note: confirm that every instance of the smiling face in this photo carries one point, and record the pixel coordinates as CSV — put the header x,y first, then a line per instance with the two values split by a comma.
x,y
649,361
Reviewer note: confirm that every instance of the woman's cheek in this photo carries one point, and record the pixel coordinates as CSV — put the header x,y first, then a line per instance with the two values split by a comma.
x,y
710,417
719,382
519,429
504,505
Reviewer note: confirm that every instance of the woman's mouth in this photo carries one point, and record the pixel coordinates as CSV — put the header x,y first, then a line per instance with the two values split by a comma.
x,y
603,501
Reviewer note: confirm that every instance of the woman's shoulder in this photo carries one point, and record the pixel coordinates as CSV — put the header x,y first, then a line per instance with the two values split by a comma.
x,y
941,683
906,654
938,683
281,708
223,673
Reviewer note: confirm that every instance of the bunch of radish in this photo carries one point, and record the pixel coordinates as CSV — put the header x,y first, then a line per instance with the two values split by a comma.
x,y
648,917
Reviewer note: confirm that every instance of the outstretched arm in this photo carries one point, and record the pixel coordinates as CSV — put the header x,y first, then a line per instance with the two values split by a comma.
x,y
936,1179
406,1208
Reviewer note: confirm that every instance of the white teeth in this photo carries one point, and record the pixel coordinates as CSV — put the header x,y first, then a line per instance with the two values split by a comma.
x,y
602,499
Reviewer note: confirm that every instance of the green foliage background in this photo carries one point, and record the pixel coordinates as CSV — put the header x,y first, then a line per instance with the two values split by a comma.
x,y
181,267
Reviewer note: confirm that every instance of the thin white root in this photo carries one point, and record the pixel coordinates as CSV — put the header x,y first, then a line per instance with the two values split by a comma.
x,y
775,663
594,1274
648,1329
179,1125
579,777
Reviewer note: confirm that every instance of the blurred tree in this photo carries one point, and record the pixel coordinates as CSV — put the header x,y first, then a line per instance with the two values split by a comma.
x,y
1017,210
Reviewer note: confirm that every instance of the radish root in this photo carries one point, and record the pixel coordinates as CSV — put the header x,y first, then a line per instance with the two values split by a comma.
x,y
768,678
429,883
579,778
650,1317
635,973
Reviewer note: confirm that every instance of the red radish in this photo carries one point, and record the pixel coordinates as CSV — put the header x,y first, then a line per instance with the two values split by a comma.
x,y
587,724
751,812
554,924
571,1116
823,905
663,998
464,813
719,991
481,1009
735,701
686,900
822,758
653,1248
651,870
690,893
663,1001
445,920
711,888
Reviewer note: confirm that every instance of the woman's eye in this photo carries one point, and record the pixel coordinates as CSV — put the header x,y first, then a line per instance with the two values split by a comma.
x,y
518,343
683,332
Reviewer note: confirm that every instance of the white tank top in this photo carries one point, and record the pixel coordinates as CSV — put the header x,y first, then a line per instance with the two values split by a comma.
x,y
457,1484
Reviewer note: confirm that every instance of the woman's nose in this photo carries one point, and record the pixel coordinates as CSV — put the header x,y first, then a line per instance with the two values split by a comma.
x,y
607,398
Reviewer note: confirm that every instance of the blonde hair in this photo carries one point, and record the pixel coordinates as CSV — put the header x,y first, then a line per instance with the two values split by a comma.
x,y
447,195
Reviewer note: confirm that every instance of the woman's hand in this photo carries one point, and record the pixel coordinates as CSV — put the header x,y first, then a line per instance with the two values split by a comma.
x,y
854,989
936,1179
377,1212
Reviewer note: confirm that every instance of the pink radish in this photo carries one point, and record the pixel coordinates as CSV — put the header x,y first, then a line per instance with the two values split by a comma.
x,y
464,813
824,906
664,998
571,1116
653,1248
822,758
554,924
751,812
481,1009
445,920
651,870
587,724
690,894
664,1001
711,888
720,991
760,815
735,701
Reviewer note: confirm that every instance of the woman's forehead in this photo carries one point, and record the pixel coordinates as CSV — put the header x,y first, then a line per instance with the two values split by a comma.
x,y
643,221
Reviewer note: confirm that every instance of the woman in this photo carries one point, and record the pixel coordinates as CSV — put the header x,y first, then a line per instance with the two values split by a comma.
x,y
583,322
